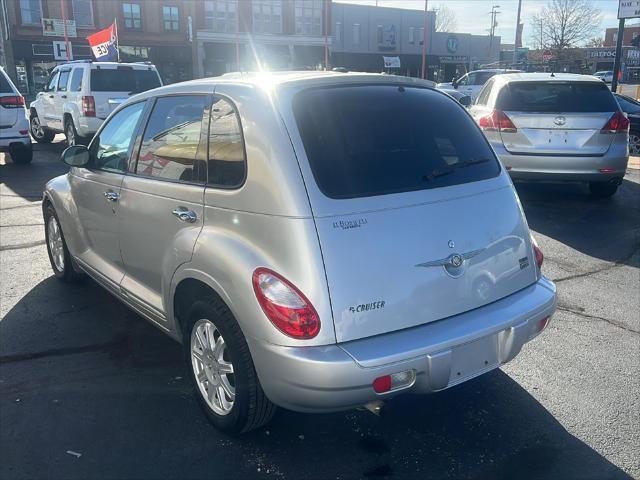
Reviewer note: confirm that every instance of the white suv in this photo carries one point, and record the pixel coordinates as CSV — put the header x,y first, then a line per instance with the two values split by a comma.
x,y
80,95
14,125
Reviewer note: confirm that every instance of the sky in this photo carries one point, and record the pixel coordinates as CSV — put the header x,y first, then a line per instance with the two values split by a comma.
x,y
473,15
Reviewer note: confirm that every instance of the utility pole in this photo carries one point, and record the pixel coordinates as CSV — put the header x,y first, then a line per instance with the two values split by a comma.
x,y
494,13
616,63
424,42
515,43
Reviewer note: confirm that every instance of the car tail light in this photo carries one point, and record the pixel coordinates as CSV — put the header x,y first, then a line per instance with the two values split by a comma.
x,y
284,305
23,132
497,121
88,106
395,381
616,124
537,252
15,101
542,324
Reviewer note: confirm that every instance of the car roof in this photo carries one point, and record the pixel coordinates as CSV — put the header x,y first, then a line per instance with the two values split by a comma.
x,y
494,70
271,80
136,65
547,77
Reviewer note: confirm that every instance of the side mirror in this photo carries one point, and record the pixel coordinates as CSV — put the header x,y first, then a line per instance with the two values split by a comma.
x,y
465,101
454,83
76,156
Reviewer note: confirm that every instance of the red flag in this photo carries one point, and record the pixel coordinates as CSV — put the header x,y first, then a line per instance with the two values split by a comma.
x,y
104,44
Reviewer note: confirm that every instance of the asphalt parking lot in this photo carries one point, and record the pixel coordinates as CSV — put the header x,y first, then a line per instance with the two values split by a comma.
x,y
90,390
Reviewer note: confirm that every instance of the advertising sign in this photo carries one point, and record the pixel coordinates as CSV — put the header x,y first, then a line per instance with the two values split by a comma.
x,y
54,27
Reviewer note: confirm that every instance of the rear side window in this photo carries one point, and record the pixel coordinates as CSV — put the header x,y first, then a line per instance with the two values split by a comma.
x,y
556,97
483,97
375,140
64,79
5,86
171,142
123,79
76,80
226,148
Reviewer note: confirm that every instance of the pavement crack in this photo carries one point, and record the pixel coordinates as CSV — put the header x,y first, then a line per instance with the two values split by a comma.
x,y
57,352
21,246
609,266
610,321
22,225
34,204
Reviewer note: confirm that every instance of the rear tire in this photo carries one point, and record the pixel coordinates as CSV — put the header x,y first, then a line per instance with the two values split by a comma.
x,y
602,189
39,133
250,408
62,264
21,155
71,133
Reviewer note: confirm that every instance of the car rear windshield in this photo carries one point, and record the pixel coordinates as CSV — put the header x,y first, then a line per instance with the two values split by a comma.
x,y
556,97
5,86
123,79
373,140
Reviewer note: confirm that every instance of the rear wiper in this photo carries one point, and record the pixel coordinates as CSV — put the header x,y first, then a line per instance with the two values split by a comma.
x,y
439,172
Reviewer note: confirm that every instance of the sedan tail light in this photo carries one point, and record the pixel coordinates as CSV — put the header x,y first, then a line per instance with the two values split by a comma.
x,y
284,305
15,101
537,252
497,121
617,123
88,106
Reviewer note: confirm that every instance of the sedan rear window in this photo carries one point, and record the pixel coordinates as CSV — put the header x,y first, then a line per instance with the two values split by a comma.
x,y
565,97
375,140
123,79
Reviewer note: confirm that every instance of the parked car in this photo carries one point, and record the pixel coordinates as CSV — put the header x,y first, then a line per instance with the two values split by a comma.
x,y
631,107
462,98
306,251
14,125
471,83
606,76
80,95
556,127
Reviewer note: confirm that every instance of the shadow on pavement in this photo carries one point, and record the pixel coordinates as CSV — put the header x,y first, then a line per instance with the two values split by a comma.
x,y
28,181
566,213
80,372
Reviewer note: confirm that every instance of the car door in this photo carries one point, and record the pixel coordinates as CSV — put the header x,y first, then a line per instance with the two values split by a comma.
x,y
96,191
161,203
48,100
59,97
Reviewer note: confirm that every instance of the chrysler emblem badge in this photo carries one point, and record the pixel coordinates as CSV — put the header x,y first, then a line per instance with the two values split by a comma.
x,y
456,260
451,244
560,120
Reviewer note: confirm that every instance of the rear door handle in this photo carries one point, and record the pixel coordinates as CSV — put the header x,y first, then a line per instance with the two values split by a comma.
x,y
63,96
185,215
111,196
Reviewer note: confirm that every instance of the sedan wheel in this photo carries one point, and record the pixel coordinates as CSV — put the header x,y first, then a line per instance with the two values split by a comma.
x,y
212,368
634,144
55,243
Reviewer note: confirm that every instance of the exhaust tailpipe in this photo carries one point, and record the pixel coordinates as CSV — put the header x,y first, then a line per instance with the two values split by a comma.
x,y
377,407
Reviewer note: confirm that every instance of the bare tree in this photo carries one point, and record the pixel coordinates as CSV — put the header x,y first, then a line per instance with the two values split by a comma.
x,y
563,24
446,20
595,42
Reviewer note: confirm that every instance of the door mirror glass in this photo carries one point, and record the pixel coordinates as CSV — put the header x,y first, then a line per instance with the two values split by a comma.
x,y
76,156
465,101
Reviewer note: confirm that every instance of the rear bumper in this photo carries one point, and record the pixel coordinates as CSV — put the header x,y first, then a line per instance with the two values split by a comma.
x,y
88,126
564,169
442,354
10,141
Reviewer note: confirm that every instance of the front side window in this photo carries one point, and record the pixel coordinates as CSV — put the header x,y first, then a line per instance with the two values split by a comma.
x,y
482,77
308,17
355,151
467,79
226,162
220,15
132,16
171,18
76,80
110,149
31,12
53,81
171,142
267,16
64,79
82,13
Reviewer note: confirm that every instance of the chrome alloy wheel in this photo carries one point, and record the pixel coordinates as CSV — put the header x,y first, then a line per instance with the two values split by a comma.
x,y
211,367
70,134
56,245
634,144
36,128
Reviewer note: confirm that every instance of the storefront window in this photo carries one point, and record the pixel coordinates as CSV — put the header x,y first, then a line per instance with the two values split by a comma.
x,y
220,15
21,71
131,14
83,13
308,17
31,12
267,16
171,18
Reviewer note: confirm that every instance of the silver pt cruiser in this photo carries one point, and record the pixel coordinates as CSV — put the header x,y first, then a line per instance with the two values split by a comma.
x,y
317,241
